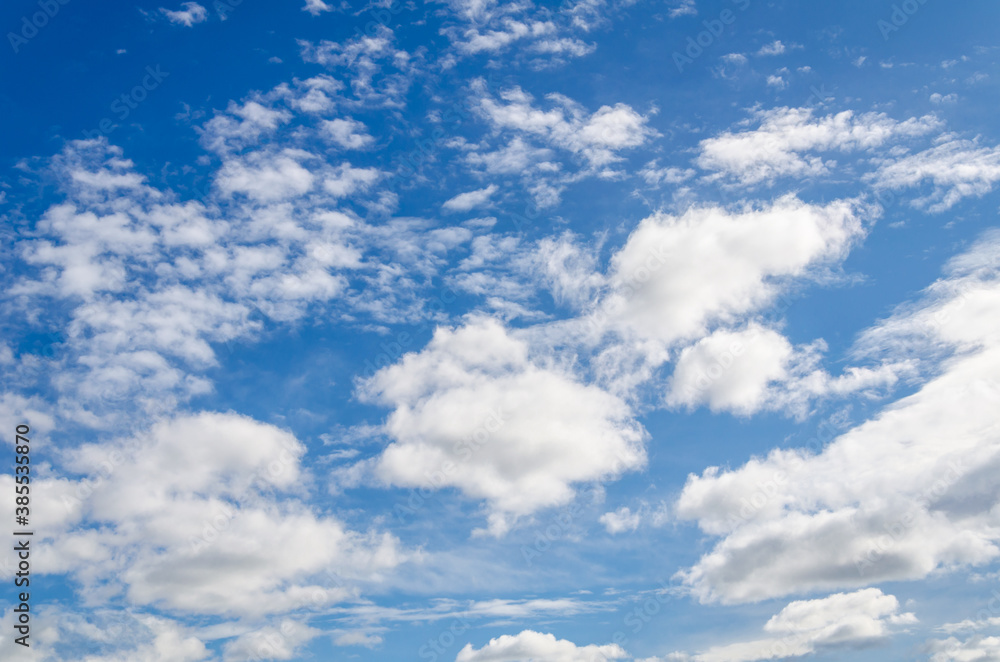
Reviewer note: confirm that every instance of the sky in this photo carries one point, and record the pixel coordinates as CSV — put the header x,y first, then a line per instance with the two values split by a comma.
x,y
473,331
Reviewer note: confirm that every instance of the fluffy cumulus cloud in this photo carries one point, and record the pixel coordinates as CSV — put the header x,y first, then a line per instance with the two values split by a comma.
x,y
530,645
345,180
677,275
781,143
348,133
798,521
474,411
730,370
621,520
755,368
838,621
266,177
203,514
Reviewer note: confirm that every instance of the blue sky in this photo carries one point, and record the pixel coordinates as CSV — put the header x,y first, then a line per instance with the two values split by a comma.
x,y
475,331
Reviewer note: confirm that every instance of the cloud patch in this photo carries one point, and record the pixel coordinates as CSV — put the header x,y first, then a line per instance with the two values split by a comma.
x,y
828,523
473,411
531,645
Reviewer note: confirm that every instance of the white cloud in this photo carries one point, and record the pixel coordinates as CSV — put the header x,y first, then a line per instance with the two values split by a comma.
x,y
473,411
345,180
265,177
778,146
486,26
943,98
241,125
492,41
656,176
278,642
621,520
169,643
596,137
615,127
567,269
823,519
746,370
974,649
356,638
730,370
531,645
516,157
773,48
676,275
16,408
563,46
470,199
349,133
475,11
379,75
189,276
776,81
317,96
980,623
59,635
191,14
838,621
683,8
316,7
505,267
178,514
957,169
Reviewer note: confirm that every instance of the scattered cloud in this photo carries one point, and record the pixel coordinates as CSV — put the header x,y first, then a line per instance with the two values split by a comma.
x,y
316,7
470,199
191,14
773,48
956,650
597,136
826,523
222,503
755,368
956,168
621,520
348,133
779,146
683,8
531,645
777,82
839,621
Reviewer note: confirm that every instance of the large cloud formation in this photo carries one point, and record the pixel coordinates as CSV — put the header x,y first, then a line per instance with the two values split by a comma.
x,y
896,498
